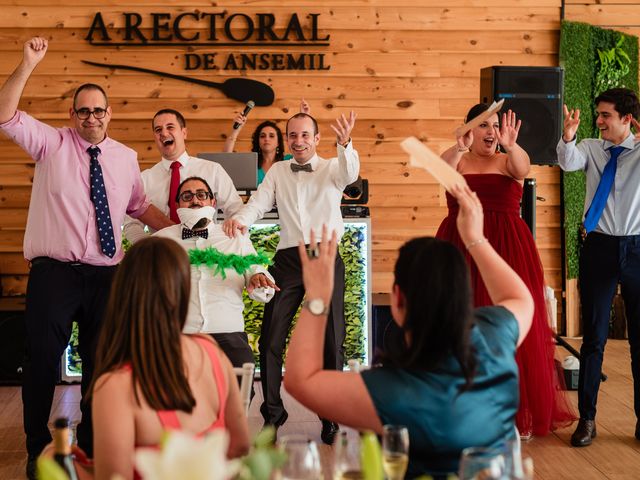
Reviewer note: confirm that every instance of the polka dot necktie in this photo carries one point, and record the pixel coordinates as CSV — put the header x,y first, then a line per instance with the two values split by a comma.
x,y
101,204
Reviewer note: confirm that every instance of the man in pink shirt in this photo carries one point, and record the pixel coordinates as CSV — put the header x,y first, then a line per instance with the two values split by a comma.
x,y
83,186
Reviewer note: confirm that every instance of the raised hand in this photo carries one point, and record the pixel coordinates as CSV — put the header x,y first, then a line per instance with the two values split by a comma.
x,y
318,268
241,119
507,135
34,51
571,123
464,142
304,107
343,128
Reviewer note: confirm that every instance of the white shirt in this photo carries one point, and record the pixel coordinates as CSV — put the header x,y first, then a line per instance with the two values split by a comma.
x,y
157,181
305,200
621,215
216,304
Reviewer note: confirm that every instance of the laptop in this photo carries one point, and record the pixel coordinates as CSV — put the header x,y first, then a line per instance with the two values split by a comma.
x,y
241,167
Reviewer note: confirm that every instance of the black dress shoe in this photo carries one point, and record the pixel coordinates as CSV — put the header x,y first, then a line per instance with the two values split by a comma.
x,y
329,432
585,432
31,467
638,429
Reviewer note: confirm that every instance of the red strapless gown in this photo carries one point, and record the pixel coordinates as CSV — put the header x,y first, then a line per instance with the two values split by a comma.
x,y
543,403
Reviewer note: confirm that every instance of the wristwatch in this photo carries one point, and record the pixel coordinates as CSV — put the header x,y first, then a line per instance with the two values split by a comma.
x,y
316,306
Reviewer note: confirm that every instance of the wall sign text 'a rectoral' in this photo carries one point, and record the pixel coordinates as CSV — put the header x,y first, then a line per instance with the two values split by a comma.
x,y
218,29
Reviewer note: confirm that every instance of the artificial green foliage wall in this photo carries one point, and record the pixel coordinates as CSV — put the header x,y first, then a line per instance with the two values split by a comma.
x,y
580,45
352,249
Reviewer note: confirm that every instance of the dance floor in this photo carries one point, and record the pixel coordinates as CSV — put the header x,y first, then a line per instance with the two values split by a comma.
x,y
615,454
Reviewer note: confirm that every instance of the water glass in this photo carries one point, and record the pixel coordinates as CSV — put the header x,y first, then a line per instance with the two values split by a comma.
x,y
303,459
481,463
517,467
395,451
347,458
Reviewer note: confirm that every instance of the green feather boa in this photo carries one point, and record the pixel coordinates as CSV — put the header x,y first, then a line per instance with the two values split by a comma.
x,y
214,258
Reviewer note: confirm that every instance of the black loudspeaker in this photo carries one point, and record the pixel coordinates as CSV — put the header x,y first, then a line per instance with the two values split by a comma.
x,y
535,95
12,347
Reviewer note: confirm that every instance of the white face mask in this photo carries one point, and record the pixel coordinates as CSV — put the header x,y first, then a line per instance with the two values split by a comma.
x,y
190,216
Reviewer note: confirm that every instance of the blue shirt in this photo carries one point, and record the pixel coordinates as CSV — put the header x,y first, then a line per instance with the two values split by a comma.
x,y
441,420
621,215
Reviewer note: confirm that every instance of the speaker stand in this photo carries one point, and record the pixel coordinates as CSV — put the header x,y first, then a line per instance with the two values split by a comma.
x,y
528,209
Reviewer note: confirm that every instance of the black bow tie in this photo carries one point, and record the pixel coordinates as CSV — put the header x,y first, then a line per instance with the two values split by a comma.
x,y
187,233
295,167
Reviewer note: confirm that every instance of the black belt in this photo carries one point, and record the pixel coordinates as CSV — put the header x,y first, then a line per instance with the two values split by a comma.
x,y
49,260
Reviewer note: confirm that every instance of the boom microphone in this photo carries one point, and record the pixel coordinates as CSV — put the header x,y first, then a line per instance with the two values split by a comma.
x,y
247,109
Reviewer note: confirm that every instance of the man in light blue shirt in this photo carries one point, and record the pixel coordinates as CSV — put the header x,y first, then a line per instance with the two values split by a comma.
x,y
611,250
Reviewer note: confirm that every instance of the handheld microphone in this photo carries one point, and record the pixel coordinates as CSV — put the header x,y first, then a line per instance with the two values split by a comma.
x,y
247,109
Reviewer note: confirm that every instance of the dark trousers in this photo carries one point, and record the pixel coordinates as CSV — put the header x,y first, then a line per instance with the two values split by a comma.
x,y
279,313
235,346
606,261
57,294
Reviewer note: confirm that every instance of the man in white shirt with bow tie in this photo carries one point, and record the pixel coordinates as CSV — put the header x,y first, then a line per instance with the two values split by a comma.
x,y
307,191
215,305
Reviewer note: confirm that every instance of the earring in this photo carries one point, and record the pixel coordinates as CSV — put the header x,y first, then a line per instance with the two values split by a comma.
x,y
277,150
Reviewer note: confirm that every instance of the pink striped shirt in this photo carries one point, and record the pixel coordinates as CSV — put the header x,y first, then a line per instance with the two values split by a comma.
x,y
61,222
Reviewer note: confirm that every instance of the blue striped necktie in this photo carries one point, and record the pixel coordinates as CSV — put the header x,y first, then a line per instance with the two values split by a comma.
x,y
101,204
592,217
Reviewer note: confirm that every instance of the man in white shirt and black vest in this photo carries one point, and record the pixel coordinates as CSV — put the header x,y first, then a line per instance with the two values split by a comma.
x,y
308,192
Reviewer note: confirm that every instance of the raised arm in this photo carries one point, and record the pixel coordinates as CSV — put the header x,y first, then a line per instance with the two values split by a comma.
x,y
33,52
504,285
230,142
348,159
453,154
305,378
518,163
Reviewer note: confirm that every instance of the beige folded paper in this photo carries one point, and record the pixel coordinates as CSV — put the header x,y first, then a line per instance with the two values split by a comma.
x,y
495,107
421,156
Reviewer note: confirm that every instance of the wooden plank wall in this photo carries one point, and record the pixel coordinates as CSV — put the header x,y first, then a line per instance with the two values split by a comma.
x,y
407,67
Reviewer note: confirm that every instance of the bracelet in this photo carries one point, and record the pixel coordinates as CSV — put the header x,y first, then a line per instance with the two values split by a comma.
x,y
462,150
475,243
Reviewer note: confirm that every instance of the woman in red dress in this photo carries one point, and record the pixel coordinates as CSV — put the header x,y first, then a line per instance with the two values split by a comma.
x,y
497,179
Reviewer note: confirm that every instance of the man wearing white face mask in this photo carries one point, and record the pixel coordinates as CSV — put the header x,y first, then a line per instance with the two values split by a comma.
x,y
161,181
216,306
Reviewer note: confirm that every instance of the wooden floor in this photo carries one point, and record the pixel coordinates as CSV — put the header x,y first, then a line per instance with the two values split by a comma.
x,y
614,455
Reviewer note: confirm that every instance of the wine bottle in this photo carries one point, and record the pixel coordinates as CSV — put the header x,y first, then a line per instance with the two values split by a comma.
x,y
62,447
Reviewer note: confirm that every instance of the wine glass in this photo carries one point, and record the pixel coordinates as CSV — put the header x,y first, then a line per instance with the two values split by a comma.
x,y
395,451
517,467
303,459
482,463
347,459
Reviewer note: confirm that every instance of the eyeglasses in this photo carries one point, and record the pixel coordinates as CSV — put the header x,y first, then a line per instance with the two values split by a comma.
x,y
84,113
199,194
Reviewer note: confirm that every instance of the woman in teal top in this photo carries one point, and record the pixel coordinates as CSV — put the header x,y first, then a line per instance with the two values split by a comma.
x,y
452,380
266,141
